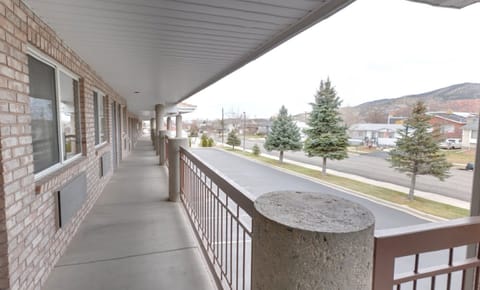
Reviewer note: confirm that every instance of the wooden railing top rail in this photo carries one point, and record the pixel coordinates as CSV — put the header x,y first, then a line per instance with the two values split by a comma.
x,y
430,236
234,191
414,240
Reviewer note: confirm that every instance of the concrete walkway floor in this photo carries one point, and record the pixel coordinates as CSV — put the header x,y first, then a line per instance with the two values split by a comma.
x,y
133,238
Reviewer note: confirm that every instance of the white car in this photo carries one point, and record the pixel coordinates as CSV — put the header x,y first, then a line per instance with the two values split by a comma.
x,y
451,143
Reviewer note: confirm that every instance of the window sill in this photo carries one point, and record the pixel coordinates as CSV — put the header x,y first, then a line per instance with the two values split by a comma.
x,y
60,175
101,148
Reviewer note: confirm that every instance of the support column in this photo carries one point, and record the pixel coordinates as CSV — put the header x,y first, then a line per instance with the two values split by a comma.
x,y
311,241
152,130
474,211
178,125
169,123
174,167
161,152
159,113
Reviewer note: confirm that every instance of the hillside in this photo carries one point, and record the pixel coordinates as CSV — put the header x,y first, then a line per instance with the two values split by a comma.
x,y
457,98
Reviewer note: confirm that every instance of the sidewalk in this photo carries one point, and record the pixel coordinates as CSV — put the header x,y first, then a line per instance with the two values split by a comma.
x,y
134,238
427,195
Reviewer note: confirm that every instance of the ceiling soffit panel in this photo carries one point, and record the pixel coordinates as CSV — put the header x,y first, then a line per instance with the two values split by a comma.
x,y
168,50
448,3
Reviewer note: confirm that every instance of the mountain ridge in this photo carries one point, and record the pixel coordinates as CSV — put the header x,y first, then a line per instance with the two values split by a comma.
x,y
463,97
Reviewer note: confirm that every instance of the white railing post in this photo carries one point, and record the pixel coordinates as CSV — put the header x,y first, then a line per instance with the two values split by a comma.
x,y
174,167
311,241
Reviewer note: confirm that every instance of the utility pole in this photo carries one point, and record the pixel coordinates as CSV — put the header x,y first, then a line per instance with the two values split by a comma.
x,y
244,128
223,127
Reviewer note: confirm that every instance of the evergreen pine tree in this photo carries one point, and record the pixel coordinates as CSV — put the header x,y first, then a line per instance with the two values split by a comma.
x,y
284,134
327,137
417,151
233,139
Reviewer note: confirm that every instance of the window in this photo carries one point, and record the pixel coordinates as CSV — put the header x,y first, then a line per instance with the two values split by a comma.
x,y
99,108
473,135
69,116
447,129
54,104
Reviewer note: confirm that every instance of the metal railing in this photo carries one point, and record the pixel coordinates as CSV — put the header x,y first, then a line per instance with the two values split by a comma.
x,y
221,214
429,256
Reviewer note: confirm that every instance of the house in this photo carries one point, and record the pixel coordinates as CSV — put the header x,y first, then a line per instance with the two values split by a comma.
x,y
470,133
449,124
374,134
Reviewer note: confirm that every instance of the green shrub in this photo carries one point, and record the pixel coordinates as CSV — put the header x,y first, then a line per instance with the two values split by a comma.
x,y
204,140
210,142
256,150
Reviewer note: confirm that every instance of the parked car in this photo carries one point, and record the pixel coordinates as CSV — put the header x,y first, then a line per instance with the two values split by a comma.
x,y
451,144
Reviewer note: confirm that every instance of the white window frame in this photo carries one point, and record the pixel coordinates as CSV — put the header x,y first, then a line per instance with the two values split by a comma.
x,y
102,97
58,68
473,140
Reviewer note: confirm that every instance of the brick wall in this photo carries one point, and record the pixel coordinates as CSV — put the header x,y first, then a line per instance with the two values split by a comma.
x,y
437,123
30,241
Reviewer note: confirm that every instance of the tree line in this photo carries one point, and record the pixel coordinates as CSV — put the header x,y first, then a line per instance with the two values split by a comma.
x,y
416,153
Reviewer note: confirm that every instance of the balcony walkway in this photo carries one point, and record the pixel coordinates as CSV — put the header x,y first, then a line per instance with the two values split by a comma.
x,y
133,238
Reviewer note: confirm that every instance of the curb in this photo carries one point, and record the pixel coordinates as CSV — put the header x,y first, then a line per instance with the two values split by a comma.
x,y
402,208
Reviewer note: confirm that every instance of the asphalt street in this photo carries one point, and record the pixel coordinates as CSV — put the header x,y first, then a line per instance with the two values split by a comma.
x,y
258,179
375,166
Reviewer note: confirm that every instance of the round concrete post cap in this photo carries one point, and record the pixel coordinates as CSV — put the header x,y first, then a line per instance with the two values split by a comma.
x,y
315,212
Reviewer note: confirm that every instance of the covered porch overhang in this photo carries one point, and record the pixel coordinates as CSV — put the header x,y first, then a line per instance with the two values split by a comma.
x,y
161,53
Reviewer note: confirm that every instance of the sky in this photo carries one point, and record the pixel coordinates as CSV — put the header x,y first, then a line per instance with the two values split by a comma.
x,y
372,49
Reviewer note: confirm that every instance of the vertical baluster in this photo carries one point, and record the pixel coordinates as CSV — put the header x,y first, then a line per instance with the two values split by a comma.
x,y
450,262
244,256
210,217
217,221
415,270
464,279
237,245
231,246
477,269
432,283
221,238
226,236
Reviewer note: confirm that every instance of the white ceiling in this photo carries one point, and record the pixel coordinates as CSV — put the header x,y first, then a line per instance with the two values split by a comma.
x,y
170,49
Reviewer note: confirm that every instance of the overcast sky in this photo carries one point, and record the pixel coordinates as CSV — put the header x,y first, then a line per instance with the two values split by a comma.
x,y
373,49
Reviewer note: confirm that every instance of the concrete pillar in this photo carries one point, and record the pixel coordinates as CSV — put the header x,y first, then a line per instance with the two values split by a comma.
x,y
152,130
178,125
169,123
162,134
174,167
311,241
159,113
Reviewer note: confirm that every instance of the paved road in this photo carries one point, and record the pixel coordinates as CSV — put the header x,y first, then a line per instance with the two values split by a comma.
x,y
374,166
258,179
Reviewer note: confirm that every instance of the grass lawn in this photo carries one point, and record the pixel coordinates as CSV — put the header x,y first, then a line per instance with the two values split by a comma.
x,y
461,156
420,204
